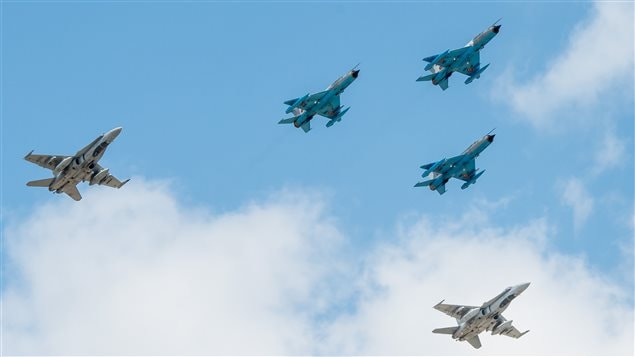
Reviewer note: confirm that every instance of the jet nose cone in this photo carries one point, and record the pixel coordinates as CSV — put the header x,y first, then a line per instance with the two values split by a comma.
x,y
355,73
490,138
522,287
496,28
114,133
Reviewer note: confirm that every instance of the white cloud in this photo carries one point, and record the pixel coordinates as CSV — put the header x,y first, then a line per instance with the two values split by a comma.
x,y
575,195
569,309
611,153
598,58
136,272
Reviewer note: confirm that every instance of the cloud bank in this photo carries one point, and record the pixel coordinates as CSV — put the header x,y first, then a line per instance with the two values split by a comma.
x,y
597,59
576,196
141,273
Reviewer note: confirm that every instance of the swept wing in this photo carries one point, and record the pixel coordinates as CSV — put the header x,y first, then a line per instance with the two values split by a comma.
x,y
467,171
448,58
110,180
330,110
446,166
308,102
474,59
456,311
73,192
510,330
45,161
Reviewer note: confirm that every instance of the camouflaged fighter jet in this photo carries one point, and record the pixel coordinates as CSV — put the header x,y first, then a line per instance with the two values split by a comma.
x,y
326,104
473,320
464,60
68,171
461,167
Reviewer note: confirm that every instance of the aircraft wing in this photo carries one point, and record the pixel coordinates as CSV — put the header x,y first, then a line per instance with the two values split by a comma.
x,y
73,192
445,166
509,330
456,311
45,161
110,180
448,57
513,332
329,110
474,59
467,171
308,102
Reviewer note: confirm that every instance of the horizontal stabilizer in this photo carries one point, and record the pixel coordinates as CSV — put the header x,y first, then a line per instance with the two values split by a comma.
x,y
287,121
426,78
306,126
41,183
474,341
444,84
446,330
424,183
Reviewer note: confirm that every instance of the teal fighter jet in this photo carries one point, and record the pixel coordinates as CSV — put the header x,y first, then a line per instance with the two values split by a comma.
x,y
464,60
326,104
461,167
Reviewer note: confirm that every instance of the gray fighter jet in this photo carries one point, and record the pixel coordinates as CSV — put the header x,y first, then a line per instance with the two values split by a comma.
x,y
473,320
68,171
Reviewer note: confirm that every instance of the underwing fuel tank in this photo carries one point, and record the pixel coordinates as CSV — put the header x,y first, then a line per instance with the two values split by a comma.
x,y
62,165
500,328
98,177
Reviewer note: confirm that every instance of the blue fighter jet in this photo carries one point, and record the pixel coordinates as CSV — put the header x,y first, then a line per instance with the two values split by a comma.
x,y
461,167
464,60
326,104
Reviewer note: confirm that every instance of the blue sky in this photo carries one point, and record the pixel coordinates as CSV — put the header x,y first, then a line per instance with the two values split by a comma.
x,y
198,89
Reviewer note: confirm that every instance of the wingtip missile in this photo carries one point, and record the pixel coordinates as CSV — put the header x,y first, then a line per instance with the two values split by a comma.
x,y
472,180
27,155
476,75
337,118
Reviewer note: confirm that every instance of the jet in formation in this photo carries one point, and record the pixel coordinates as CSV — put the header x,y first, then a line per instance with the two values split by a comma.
x,y
68,171
461,167
473,320
325,103
464,60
